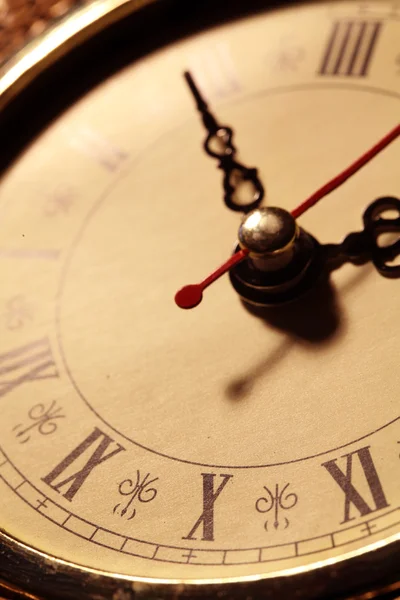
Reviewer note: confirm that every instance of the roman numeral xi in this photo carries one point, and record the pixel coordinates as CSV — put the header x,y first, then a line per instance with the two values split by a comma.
x,y
372,496
350,48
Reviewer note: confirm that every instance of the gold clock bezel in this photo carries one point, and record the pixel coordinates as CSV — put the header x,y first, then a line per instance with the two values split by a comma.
x,y
30,573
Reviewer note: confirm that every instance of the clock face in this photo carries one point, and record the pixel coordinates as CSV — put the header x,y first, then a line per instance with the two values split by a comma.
x,y
223,442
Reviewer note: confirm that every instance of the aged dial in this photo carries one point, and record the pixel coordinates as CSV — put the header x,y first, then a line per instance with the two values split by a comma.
x,y
222,443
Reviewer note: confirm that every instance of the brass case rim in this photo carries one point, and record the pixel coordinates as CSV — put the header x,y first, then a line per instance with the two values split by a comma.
x,y
40,576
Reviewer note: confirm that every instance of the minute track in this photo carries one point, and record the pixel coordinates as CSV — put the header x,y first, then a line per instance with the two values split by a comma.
x,y
157,552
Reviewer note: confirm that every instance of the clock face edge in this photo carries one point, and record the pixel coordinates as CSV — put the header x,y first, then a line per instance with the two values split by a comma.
x,y
394,546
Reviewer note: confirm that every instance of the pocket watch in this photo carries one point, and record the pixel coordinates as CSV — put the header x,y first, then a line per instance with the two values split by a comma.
x,y
249,447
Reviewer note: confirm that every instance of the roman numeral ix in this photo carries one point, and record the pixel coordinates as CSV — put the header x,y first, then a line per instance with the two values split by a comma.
x,y
210,495
350,48
98,443
345,480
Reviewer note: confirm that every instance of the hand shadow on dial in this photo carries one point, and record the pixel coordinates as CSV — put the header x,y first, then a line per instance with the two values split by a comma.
x,y
314,320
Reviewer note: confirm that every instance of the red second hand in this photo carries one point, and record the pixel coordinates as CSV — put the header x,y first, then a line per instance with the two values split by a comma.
x,y
342,177
191,295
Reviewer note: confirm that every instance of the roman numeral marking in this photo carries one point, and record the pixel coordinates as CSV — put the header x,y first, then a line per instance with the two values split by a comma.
x,y
206,519
97,147
350,48
31,362
345,482
215,70
30,253
99,443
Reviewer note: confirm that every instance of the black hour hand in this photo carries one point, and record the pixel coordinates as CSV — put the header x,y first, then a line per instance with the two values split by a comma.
x,y
369,245
219,145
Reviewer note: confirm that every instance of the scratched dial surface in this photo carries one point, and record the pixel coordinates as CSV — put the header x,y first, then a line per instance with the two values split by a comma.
x,y
209,443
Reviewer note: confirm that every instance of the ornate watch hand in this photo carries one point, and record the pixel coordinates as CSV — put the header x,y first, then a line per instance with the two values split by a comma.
x,y
220,136
363,246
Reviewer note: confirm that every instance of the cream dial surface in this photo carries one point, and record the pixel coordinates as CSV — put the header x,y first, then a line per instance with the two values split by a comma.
x,y
142,439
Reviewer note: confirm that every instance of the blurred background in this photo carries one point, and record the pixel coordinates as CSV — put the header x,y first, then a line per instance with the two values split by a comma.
x,y
21,20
